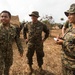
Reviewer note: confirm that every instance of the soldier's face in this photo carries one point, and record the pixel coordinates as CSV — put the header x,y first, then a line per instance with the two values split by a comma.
x,y
71,18
34,19
5,19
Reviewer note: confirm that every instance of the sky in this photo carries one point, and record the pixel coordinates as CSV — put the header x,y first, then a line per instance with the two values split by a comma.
x,y
23,8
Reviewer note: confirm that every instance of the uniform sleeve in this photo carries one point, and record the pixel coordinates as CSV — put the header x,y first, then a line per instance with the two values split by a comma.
x,y
18,31
46,31
25,30
19,45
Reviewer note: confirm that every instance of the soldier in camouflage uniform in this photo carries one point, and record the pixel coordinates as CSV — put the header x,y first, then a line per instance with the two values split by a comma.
x,y
67,24
7,36
68,45
35,41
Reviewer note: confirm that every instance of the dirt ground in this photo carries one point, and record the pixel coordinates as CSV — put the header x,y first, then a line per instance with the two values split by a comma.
x,y
52,60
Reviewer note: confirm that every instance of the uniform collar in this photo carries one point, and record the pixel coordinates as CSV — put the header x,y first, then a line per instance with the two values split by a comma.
x,y
9,25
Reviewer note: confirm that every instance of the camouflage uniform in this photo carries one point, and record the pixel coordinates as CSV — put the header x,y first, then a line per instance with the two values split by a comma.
x,y
67,24
35,41
68,48
7,36
68,53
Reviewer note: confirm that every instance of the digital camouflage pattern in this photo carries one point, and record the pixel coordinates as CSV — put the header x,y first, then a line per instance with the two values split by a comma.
x,y
72,5
7,37
71,10
68,53
35,42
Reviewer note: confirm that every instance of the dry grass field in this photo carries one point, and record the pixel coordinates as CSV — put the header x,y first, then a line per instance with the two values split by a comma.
x,y
52,60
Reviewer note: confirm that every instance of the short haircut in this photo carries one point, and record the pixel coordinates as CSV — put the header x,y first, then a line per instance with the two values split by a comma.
x,y
7,13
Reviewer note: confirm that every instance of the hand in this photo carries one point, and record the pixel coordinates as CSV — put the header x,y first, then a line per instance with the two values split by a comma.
x,y
58,37
59,41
